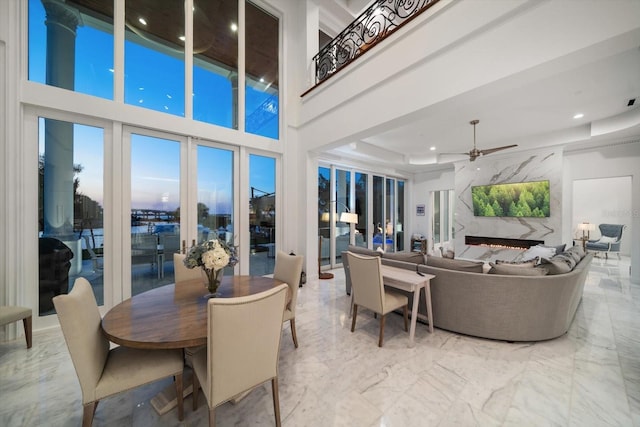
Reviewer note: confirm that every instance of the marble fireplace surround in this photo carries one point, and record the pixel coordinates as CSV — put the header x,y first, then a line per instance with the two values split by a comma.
x,y
500,169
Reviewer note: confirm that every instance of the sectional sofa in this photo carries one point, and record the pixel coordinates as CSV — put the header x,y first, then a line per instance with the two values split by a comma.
x,y
510,302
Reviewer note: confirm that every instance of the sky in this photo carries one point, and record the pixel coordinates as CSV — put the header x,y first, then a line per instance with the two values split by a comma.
x,y
156,81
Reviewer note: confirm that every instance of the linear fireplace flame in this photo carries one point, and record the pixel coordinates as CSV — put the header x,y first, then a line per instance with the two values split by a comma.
x,y
501,242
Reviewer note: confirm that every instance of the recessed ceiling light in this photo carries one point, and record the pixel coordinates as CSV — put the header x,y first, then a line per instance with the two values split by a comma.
x,y
183,38
234,27
261,79
578,116
432,148
142,21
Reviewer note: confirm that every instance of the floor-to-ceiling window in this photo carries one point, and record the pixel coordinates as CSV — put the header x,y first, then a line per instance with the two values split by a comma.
x,y
324,216
70,208
375,203
262,214
215,194
362,198
155,210
72,46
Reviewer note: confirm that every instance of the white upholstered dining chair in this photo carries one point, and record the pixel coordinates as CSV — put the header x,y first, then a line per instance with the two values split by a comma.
x,y
368,291
103,372
181,272
288,269
243,356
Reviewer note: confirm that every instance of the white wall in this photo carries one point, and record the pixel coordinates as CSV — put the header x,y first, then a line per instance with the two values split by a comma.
x,y
612,197
610,161
423,185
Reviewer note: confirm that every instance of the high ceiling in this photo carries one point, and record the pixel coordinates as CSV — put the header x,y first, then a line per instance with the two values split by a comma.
x,y
533,110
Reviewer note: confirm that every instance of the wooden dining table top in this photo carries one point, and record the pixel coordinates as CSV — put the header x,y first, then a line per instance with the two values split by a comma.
x,y
174,316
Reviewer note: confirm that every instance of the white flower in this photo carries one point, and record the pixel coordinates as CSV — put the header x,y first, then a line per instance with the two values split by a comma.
x,y
220,258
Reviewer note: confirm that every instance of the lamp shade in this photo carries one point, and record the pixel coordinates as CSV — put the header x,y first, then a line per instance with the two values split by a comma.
x,y
324,217
349,217
585,226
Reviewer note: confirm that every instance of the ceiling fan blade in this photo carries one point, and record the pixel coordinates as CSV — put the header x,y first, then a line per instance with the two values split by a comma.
x,y
493,150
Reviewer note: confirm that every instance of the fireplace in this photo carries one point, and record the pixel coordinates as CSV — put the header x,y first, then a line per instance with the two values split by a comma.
x,y
501,242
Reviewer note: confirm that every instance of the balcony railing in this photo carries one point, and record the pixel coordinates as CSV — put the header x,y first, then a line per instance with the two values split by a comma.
x,y
374,24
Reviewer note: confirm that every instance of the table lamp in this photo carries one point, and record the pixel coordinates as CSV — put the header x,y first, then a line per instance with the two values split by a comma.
x,y
585,226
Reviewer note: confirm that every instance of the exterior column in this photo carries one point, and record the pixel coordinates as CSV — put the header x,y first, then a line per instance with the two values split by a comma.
x,y
58,218
61,25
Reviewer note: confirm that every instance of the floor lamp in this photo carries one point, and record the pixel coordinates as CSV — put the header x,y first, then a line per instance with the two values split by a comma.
x,y
351,219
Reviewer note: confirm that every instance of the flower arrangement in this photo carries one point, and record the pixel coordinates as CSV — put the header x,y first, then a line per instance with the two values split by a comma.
x,y
212,256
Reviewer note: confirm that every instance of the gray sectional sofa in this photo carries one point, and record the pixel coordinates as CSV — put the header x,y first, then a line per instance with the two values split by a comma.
x,y
516,304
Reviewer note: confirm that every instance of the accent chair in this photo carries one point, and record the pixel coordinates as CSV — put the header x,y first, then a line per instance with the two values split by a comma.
x,y
609,241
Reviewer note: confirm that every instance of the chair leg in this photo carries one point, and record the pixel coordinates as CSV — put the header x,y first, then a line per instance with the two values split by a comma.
x,y
179,395
406,318
27,323
212,417
355,314
276,400
196,388
382,317
292,322
88,411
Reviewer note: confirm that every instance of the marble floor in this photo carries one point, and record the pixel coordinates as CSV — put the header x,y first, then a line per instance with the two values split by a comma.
x,y
588,377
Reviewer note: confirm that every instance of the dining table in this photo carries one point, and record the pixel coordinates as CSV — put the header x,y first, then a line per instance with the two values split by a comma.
x,y
175,316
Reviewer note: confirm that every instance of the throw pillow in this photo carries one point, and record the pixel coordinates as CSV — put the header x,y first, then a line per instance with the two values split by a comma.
x,y
521,264
516,269
414,257
576,252
566,258
607,239
455,264
538,251
555,266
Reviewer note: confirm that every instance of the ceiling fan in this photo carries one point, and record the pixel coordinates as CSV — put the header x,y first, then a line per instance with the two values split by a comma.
x,y
475,153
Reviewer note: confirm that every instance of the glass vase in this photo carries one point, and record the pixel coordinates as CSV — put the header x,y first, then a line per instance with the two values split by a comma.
x,y
213,280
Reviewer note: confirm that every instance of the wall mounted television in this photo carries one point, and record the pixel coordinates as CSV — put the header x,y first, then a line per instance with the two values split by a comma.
x,y
518,199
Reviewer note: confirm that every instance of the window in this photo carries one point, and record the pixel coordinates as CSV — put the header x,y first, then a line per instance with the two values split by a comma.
x,y
70,211
79,62
215,63
215,194
262,214
155,203
442,220
261,58
154,58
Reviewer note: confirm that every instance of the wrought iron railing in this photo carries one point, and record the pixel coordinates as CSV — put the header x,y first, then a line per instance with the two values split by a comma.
x,y
374,24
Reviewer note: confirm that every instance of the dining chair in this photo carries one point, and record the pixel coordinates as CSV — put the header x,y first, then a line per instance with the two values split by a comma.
x,y
243,343
103,372
13,313
181,272
369,292
288,269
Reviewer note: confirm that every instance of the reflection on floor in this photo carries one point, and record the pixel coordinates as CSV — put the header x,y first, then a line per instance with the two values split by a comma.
x,y
590,376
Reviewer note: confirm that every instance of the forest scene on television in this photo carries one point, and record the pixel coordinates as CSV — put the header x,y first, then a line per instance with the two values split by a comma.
x,y
525,199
